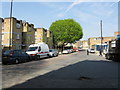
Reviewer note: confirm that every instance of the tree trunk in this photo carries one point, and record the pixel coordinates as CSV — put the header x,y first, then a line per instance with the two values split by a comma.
x,y
63,46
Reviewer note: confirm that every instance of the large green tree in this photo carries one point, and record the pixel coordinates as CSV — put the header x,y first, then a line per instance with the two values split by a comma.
x,y
65,31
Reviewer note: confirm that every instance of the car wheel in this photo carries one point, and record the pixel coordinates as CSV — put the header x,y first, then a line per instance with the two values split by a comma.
x,y
28,59
16,61
53,55
37,57
49,56
4,63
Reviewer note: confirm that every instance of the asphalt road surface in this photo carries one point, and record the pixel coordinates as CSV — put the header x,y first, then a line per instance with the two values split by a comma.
x,y
76,70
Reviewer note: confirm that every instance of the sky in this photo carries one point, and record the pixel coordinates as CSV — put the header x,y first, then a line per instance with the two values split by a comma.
x,y
87,14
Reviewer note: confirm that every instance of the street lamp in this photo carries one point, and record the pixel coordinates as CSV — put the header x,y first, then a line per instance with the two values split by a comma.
x,y
10,24
101,34
88,42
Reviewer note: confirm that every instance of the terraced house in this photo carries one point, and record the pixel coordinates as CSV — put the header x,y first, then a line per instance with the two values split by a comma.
x,y
11,38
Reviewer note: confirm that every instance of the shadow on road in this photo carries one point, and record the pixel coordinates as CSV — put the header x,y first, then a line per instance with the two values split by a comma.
x,y
84,74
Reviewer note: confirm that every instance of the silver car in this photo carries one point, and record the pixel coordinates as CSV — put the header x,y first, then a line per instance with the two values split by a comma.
x,y
91,50
53,52
66,51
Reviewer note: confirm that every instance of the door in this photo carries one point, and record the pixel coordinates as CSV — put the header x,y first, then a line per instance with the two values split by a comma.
x,y
24,56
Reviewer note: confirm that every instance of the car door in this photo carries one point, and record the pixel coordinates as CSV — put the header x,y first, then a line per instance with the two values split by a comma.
x,y
16,54
24,56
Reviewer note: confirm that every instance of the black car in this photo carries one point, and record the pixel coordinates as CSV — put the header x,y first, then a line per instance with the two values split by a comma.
x,y
14,56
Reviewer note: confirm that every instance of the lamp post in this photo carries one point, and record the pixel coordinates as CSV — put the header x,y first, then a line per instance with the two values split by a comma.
x,y
10,24
101,34
89,43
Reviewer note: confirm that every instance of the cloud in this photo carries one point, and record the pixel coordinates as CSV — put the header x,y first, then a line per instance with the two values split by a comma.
x,y
60,14
99,11
85,17
81,1
73,4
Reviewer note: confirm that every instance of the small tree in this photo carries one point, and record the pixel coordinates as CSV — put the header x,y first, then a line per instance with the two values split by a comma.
x,y
65,31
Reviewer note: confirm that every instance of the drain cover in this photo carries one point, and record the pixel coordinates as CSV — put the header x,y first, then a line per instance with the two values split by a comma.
x,y
84,78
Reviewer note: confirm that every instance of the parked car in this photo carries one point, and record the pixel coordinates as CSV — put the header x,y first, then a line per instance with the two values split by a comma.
x,y
66,51
14,56
75,49
71,50
81,49
91,50
53,52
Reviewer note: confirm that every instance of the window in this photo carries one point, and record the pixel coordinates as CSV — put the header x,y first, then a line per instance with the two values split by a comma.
x,y
39,49
18,36
2,36
18,25
32,48
29,29
2,25
7,52
35,33
23,53
113,44
17,52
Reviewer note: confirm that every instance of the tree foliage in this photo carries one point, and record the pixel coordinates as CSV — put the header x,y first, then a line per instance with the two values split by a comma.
x,y
66,31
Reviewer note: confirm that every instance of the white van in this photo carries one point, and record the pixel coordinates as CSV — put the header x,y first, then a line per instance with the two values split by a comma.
x,y
39,50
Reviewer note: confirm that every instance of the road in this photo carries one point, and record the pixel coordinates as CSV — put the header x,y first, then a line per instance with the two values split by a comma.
x,y
76,70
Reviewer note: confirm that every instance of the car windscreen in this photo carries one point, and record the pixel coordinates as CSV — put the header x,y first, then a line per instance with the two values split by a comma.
x,y
50,50
32,48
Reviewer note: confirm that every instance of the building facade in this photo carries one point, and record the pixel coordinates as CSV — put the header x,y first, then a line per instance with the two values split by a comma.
x,y
16,34
40,35
84,44
50,39
76,45
97,41
116,33
12,38
91,42
44,35
28,35
1,20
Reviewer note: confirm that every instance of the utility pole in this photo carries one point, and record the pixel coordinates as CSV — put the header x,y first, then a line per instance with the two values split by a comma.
x,y
10,45
89,43
101,34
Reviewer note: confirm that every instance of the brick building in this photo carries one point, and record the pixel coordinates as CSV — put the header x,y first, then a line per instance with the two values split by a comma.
x,y
84,44
76,45
92,41
1,20
40,35
22,34
97,40
12,39
28,35
50,39
44,35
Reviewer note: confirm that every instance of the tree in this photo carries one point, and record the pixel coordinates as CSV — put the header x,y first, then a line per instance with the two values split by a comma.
x,y
65,31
